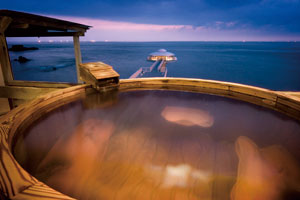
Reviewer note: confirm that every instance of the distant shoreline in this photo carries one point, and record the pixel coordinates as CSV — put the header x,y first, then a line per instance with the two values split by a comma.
x,y
86,41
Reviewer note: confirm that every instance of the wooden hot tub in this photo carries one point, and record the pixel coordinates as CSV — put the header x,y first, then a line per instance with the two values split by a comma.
x,y
164,138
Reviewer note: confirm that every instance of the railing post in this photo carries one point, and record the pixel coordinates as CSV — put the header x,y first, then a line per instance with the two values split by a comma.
x,y
5,65
78,59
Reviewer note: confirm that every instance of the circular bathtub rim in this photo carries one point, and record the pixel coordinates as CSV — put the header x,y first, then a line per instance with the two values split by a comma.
x,y
14,121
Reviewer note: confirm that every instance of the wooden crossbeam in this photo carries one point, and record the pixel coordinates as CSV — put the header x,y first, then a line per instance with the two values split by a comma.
x,y
40,84
37,33
17,92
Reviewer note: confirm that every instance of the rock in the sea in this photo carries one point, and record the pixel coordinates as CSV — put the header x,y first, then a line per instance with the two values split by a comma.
x,y
21,48
48,68
22,59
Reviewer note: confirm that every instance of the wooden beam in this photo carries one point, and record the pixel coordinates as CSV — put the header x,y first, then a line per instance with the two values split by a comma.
x,y
5,66
16,92
4,104
294,94
5,60
78,59
22,26
4,56
4,23
38,33
51,23
40,84
2,82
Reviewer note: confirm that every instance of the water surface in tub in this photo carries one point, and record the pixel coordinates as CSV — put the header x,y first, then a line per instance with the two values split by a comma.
x,y
164,145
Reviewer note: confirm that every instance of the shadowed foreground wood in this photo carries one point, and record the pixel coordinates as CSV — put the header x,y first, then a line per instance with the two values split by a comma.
x,y
16,183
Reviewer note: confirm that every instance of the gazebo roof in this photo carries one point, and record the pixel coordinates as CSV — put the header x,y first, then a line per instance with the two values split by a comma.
x,y
161,52
30,25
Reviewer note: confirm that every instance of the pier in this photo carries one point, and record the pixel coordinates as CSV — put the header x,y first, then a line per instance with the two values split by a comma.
x,y
158,68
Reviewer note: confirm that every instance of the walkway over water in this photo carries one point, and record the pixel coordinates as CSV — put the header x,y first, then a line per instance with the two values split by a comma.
x,y
157,69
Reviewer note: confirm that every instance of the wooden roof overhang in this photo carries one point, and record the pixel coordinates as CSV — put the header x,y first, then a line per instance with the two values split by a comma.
x,y
30,25
20,24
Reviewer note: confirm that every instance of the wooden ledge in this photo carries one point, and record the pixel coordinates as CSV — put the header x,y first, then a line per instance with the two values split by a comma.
x,y
284,102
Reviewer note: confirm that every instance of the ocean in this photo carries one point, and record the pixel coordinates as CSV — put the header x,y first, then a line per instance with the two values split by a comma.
x,y
272,65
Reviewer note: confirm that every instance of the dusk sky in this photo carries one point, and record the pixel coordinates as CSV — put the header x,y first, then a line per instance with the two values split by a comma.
x,y
176,20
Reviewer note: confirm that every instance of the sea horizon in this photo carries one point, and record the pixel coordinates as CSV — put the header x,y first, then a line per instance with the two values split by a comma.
x,y
138,41
271,65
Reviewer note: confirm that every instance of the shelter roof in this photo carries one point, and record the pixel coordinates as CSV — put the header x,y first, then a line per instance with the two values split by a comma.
x,y
161,52
31,25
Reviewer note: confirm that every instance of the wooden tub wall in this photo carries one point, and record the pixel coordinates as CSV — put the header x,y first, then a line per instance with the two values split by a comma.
x,y
16,183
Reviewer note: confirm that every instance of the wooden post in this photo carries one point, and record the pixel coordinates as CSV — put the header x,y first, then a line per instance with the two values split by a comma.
x,y
4,56
4,104
78,59
5,66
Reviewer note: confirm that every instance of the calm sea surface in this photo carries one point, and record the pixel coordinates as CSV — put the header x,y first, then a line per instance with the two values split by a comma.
x,y
273,65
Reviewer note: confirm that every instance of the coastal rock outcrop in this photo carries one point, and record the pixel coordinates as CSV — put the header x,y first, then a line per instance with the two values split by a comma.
x,y
22,59
21,48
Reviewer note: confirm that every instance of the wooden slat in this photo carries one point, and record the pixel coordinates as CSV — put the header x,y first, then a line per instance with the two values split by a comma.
x,y
294,94
289,100
37,33
178,81
19,26
286,109
253,91
137,73
16,92
40,84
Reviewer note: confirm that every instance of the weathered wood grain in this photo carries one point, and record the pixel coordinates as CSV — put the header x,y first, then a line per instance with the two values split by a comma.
x,y
4,57
100,75
15,182
16,92
77,52
40,191
40,84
